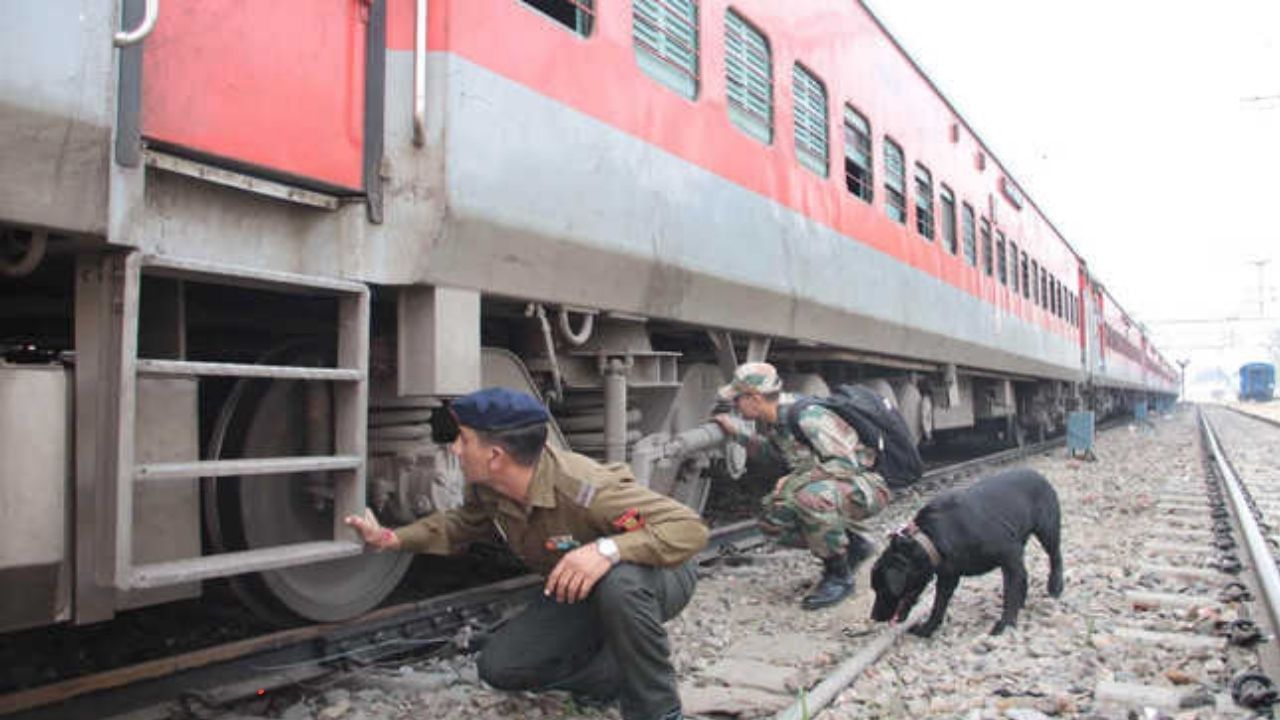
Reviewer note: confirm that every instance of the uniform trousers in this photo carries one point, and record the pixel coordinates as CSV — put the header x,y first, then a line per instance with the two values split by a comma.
x,y
577,646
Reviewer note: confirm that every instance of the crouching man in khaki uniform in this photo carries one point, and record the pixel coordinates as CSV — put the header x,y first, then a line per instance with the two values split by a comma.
x,y
615,556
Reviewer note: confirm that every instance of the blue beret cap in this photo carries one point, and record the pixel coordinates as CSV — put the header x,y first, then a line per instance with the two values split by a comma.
x,y
498,409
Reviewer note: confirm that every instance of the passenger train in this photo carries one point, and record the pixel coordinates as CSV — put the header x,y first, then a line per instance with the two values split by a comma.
x,y
248,250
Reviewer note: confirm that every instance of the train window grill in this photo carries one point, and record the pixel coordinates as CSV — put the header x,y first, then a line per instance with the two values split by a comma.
x,y
1053,295
748,78
1001,269
948,202
1013,265
577,15
988,263
857,154
1044,289
967,233
1035,282
895,201
666,42
924,201
809,100
1026,278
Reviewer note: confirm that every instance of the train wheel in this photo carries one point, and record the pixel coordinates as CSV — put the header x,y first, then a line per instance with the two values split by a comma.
x,y
280,418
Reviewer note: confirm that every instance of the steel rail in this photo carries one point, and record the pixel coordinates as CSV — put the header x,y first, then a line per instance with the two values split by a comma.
x,y
1264,564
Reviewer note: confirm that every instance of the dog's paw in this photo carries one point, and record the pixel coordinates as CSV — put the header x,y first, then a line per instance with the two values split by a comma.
x,y
999,627
922,630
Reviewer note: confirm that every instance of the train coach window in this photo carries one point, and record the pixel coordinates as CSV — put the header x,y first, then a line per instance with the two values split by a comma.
x,y
577,15
895,201
748,70
988,263
666,42
948,202
1026,277
966,232
1013,265
857,154
1044,288
809,104
1001,270
924,202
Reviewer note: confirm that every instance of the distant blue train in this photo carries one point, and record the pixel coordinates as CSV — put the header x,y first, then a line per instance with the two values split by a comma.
x,y
1257,381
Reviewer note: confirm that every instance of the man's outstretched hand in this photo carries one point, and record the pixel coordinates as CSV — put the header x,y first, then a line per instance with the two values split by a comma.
x,y
372,532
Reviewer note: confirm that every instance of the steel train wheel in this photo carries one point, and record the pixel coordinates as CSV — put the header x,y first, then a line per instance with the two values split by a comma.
x,y
268,418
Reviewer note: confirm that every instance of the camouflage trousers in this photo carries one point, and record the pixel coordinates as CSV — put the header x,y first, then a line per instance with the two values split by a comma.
x,y
813,510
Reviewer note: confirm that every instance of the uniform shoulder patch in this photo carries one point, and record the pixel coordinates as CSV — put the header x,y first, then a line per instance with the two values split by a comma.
x,y
629,520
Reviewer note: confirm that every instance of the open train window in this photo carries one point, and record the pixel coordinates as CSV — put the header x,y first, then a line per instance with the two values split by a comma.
x,y
665,33
988,262
748,70
924,201
577,15
895,201
809,104
857,154
967,233
1013,265
1001,269
1026,278
948,202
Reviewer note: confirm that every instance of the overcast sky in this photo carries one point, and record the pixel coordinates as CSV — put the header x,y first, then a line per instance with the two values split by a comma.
x,y
1148,132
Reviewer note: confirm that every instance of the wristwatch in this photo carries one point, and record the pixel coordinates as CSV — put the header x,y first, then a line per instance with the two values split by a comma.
x,y
608,548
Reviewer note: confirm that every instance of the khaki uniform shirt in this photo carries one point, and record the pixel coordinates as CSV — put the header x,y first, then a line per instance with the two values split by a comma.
x,y
573,500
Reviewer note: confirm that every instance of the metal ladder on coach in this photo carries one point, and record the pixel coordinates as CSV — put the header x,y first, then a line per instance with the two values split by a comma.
x,y
346,464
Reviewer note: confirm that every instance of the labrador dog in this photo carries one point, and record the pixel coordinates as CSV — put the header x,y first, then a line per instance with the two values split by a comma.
x,y
970,532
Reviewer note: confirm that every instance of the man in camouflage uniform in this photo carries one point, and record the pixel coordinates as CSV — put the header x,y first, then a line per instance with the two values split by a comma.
x,y
615,556
818,504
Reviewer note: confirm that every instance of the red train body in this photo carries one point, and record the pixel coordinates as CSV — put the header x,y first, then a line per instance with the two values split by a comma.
x,y
275,237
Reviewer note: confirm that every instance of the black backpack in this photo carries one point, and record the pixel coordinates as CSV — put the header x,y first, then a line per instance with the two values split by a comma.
x,y
879,426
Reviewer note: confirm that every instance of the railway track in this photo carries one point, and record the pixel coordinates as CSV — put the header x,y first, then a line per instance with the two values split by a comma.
x,y
1178,623
221,675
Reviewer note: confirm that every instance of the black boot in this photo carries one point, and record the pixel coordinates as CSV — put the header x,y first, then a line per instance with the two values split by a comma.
x,y
860,549
836,583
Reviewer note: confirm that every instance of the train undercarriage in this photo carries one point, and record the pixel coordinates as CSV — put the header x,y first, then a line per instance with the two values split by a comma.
x,y
239,414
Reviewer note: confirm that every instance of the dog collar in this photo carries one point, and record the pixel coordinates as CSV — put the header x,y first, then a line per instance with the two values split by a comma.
x,y
915,533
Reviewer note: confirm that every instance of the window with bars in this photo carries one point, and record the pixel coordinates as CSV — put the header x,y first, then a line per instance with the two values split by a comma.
x,y
1044,289
1001,270
967,234
857,154
809,103
1026,278
665,33
1035,283
895,201
924,201
988,262
1013,266
748,70
948,202
577,15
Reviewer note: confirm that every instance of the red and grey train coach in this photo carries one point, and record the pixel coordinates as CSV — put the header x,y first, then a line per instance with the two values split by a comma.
x,y
249,249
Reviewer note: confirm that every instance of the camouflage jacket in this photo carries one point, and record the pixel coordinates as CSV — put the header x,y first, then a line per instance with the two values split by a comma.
x,y
834,438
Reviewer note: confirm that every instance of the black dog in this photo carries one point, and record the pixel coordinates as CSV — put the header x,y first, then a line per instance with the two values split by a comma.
x,y
970,532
